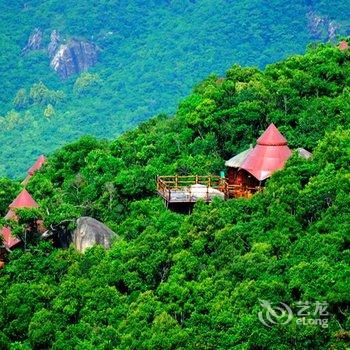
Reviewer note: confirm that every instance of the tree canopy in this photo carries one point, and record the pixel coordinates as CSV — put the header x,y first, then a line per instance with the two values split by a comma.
x,y
196,281
151,53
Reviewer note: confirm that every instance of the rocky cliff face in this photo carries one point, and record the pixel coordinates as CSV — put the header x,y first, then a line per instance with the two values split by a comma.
x,y
66,58
54,43
73,57
321,27
34,41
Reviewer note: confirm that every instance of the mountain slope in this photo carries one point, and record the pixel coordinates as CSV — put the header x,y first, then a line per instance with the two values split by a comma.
x,y
197,282
151,54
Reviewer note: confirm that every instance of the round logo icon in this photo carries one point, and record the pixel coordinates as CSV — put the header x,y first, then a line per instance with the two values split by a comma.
x,y
274,313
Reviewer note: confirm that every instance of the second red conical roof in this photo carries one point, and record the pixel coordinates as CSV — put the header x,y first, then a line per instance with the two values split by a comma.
x,y
37,165
8,240
24,200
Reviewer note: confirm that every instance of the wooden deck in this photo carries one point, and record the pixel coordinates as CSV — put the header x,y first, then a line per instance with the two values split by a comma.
x,y
189,189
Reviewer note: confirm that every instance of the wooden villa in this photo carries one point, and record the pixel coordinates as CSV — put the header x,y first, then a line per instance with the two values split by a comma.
x,y
247,173
23,200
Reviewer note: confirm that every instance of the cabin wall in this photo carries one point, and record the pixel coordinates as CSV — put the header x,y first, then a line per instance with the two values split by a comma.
x,y
249,180
241,177
231,175
3,253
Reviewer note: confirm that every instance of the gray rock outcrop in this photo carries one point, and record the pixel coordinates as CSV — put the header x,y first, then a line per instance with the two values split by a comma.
x,y
66,58
321,28
90,232
34,41
54,43
74,57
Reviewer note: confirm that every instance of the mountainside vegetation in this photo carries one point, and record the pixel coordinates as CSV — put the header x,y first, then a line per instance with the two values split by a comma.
x,y
150,54
196,281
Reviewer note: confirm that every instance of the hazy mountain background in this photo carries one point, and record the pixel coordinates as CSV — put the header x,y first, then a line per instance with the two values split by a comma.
x,y
150,54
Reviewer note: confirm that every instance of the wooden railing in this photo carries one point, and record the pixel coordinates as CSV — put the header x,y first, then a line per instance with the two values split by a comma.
x,y
177,181
167,186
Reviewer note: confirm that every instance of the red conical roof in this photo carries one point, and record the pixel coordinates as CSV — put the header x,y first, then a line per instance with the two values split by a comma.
x,y
37,165
272,137
343,45
8,240
24,200
270,154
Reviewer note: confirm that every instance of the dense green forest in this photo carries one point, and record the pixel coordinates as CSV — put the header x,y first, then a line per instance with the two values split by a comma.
x,y
151,53
196,281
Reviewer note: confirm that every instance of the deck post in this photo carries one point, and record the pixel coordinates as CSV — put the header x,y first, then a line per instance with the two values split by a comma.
x,y
196,179
176,181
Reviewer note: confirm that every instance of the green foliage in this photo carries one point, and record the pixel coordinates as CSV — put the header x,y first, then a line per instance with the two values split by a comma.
x,y
21,99
41,95
87,84
49,111
151,53
196,281
8,191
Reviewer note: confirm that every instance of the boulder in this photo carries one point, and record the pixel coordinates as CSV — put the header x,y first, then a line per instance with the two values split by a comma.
x,y
73,57
90,232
